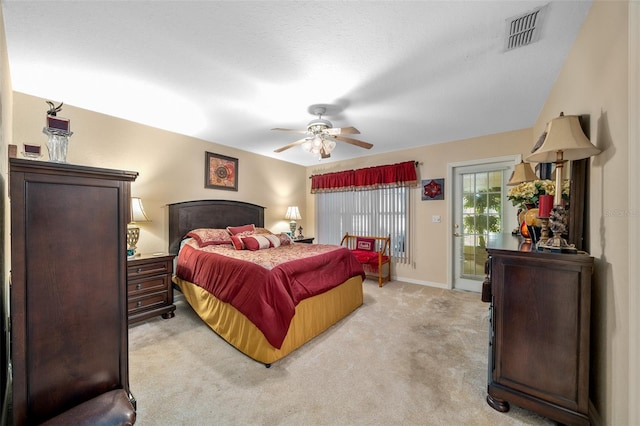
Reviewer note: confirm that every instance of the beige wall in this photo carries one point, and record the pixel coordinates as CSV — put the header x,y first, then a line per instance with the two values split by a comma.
x,y
431,249
634,206
5,137
6,96
594,81
170,166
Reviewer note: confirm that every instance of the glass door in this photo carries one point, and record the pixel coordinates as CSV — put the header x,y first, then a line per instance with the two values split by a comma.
x,y
480,208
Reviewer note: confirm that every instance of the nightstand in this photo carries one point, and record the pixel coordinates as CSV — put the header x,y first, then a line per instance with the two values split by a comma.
x,y
306,240
149,290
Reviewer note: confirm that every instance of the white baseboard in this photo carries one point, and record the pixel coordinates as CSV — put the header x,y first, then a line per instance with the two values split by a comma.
x,y
420,282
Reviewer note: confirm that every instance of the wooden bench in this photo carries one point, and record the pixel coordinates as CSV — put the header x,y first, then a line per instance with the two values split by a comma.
x,y
374,253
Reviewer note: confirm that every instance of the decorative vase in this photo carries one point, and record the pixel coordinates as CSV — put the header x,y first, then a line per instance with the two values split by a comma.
x,y
522,224
534,224
57,144
524,231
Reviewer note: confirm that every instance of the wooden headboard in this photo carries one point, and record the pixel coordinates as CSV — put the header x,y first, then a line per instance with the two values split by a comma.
x,y
188,215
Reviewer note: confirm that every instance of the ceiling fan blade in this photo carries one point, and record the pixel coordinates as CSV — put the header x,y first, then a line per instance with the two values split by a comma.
x,y
361,144
291,130
291,145
334,131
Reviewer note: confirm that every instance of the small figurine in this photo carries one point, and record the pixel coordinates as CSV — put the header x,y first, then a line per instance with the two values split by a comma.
x,y
53,109
300,233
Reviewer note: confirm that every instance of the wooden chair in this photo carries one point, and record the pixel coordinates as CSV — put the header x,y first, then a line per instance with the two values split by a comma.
x,y
374,253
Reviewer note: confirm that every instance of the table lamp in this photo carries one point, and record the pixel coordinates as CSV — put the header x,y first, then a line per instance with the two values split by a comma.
x,y
293,214
521,173
138,215
565,141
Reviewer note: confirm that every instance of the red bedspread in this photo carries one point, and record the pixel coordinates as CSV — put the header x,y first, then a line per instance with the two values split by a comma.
x,y
267,295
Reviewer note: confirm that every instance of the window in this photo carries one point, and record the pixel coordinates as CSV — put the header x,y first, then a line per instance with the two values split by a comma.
x,y
376,212
481,215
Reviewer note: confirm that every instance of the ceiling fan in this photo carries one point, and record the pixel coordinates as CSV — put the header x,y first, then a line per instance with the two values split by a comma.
x,y
322,136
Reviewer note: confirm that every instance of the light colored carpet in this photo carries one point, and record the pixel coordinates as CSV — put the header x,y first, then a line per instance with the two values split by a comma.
x,y
411,355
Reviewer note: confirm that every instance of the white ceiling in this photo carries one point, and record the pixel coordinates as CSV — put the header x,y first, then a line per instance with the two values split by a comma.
x,y
405,73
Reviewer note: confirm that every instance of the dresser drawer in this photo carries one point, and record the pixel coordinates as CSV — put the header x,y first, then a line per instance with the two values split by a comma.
x,y
147,285
150,268
147,302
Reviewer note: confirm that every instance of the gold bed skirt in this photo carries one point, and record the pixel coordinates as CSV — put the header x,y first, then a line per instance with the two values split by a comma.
x,y
313,316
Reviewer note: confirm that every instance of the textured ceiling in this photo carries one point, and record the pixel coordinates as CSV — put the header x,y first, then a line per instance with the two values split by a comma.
x,y
405,73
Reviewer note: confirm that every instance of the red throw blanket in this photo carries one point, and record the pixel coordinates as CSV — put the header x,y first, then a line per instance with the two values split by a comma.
x,y
268,297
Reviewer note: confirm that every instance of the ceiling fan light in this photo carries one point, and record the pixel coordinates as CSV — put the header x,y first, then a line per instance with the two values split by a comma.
x,y
321,136
319,124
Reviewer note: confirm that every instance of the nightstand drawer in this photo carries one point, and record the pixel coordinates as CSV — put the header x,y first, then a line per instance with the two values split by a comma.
x,y
147,285
152,268
146,302
149,289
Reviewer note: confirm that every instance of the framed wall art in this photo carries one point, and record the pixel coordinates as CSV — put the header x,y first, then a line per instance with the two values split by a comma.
x,y
433,189
220,172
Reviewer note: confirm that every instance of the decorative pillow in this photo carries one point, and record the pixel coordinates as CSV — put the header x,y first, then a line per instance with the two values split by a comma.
x,y
237,242
365,244
262,231
260,241
274,240
207,237
365,256
244,229
284,238
255,242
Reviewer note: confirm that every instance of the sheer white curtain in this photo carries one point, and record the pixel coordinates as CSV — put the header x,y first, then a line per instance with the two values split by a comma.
x,y
377,212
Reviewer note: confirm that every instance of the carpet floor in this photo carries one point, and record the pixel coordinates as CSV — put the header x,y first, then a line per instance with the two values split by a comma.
x,y
410,355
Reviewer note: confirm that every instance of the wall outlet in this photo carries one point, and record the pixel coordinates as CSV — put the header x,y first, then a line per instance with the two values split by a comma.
x,y
436,219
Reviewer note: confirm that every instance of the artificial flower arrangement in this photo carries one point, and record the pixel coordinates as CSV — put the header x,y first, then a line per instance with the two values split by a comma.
x,y
530,192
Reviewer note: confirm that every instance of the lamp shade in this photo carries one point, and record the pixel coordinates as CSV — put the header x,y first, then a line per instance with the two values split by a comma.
x,y
293,213
522,173
565,141
137,211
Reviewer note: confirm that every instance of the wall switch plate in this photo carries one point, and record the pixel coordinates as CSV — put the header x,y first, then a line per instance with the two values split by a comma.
x,y
435,219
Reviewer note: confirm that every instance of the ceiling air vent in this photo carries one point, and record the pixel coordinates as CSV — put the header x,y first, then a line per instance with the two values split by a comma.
x,y
524,29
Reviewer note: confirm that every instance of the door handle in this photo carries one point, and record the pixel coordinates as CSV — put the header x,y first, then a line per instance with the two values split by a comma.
x,y
455,234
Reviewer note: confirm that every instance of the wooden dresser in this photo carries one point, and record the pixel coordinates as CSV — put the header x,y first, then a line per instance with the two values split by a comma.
x,y
539,331
149,288
68,295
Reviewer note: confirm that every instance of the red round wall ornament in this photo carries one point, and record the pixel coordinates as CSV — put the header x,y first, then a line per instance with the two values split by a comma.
x,y
433,189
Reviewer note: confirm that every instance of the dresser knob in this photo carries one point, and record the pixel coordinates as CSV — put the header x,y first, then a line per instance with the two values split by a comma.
x,y
138,287
138,304
138,270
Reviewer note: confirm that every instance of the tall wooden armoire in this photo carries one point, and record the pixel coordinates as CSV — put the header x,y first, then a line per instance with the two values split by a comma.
x,y
68,298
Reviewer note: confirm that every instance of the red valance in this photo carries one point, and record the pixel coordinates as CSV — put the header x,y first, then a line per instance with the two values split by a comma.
x,y
392,175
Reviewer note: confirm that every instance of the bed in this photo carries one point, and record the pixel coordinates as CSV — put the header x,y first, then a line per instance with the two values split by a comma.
x,y
299,308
